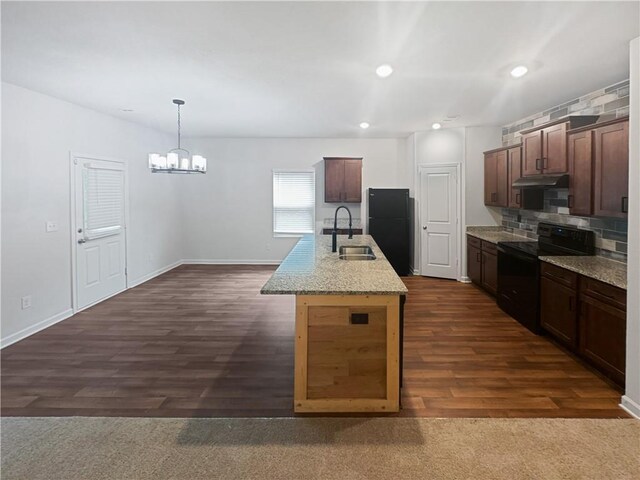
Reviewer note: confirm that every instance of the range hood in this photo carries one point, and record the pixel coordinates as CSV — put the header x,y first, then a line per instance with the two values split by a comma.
x,y
543,181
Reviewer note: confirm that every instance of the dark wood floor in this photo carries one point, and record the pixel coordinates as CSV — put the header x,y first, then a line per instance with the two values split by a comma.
x,y
202,341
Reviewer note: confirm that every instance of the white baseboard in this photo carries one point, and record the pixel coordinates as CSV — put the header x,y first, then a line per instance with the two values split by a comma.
x,y
149,276
630,406
26,332
225,261
465,279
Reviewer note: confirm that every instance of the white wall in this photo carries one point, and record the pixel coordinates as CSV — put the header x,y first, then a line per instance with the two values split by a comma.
x,y
460,146
38,132
631,400
477,141
229,214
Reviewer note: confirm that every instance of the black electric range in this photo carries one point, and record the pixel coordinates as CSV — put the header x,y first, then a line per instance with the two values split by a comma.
x,y
519,268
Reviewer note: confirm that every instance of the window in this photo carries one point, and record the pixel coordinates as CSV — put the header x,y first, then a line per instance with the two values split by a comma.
x,y
294,205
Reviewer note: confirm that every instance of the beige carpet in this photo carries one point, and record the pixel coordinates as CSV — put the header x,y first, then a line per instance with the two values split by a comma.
x,y
319,448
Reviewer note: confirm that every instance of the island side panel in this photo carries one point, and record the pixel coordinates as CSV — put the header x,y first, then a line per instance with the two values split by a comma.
x,y
385,401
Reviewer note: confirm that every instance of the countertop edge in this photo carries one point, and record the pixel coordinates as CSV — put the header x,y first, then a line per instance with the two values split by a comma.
x,y
601,278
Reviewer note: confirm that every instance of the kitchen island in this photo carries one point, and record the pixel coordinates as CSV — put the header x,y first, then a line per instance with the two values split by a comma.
x,y
347,352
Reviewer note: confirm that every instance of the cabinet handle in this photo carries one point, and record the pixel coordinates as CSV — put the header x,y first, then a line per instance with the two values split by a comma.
x,y
545,163
478,257
494,197
538,167
518,198
569,201
624,207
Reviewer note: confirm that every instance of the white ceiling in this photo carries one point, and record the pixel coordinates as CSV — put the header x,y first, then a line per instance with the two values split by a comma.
x,y
307,69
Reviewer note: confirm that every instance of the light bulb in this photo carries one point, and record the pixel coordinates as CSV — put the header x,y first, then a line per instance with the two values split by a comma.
x,y
172,160
383,71
519,71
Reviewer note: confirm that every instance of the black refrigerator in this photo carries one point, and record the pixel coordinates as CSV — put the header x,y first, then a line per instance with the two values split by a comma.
x,y
390,225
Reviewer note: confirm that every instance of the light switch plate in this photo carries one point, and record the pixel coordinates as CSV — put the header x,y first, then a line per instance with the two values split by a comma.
x,y
52,226
26,302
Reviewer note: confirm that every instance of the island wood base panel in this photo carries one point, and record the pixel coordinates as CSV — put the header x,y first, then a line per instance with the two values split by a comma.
x,y
347,353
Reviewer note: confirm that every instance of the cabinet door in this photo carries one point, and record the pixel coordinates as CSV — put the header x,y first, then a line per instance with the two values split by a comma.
x,y
554,149
558,312
580,173
532,153
611,176
490,179
333,180
474,264
502,179
353,180
490,272
515,172
603,337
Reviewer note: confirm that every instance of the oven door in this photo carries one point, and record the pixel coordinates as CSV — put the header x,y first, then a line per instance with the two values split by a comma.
x,y
518,286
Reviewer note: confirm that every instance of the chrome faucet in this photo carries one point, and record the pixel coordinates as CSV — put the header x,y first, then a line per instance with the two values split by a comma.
x,y
334,232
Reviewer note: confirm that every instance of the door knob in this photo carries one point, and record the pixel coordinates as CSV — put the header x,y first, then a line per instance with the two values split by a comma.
x,y
82,240
424,228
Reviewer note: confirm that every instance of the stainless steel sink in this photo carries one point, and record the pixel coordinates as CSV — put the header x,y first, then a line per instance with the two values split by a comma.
x,y
356,252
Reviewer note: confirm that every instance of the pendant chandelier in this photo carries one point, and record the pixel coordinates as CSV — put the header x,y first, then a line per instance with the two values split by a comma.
x,y
178,160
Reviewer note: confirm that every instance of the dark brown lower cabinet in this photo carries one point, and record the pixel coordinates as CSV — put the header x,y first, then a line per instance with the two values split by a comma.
x,y
558,311
474,264
603,336
482,263
490,272
587,316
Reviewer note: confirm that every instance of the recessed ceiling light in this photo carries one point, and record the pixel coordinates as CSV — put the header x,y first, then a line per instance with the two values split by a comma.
x,y
383,71
364,125
436,126
519,71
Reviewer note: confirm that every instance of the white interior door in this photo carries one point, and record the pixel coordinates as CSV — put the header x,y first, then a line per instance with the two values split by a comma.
x,y
439,221
100,230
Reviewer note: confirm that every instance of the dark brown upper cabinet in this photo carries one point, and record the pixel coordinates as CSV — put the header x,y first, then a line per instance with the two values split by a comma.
x,y
580,173
514,156
599,169
342,180
496,187
544,148
611,175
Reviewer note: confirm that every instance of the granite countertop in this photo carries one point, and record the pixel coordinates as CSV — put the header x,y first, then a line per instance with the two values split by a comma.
x,y
607,271
312,269
496,234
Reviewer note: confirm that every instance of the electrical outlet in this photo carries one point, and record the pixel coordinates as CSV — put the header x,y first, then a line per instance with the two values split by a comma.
x,y
26,302
51,226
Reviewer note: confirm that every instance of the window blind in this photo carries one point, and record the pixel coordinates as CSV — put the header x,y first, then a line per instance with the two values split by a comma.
x,y
293,202
103,202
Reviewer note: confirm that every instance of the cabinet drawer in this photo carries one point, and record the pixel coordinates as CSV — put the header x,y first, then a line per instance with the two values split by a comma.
x,y
489,247
604,292
560,275
473,241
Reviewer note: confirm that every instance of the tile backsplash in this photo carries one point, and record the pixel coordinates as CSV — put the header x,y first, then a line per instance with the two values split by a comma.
x,y
612,100
611,233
